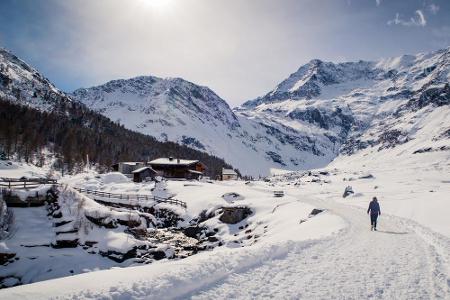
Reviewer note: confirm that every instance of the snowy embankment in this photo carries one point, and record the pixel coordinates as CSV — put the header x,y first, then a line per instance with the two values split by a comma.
x,y
276,226
11,169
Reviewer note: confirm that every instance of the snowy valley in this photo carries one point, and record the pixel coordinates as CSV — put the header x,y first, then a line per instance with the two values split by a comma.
x,y
373,129
289,246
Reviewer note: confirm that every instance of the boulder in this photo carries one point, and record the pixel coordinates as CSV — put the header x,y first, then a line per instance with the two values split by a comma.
x,y
233,215
367,176
65,244
348,191
118,256
6,257
315,212
212,239
230,197
158,255
193,231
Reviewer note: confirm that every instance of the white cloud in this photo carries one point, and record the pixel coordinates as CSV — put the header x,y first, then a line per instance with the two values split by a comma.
x,y
417,20
378,2
433,8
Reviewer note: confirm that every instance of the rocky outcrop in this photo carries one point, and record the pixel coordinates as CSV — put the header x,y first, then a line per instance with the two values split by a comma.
x,y
233,215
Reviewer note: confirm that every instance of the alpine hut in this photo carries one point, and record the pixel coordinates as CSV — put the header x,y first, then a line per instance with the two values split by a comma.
x,y
143,174
178,168
229,174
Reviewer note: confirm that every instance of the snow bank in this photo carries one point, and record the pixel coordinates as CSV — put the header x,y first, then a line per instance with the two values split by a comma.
x,y
24,194
12,169
114,177
276,227
173,279
110,182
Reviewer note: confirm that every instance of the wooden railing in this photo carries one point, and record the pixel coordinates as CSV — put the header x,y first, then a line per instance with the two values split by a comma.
x,y
25,183
131,197
29,183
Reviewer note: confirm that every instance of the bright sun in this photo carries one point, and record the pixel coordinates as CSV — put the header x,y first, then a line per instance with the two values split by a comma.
x,y
157,4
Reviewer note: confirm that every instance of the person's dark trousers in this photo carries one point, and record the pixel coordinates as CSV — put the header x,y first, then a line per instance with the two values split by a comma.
x,y
373,220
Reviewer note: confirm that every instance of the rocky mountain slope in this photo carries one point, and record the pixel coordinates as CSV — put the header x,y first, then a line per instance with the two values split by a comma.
x,y
368,104
22,84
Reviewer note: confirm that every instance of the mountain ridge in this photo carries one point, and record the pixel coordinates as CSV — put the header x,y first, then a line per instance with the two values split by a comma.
x,y
317,113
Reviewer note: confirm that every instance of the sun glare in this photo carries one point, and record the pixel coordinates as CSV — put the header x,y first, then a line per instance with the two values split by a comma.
x,y
157,4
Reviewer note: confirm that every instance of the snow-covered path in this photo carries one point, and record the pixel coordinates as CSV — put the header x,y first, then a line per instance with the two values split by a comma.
x,y
400,261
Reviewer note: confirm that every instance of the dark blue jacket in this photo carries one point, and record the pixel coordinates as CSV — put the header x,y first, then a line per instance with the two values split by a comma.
x,y
374,208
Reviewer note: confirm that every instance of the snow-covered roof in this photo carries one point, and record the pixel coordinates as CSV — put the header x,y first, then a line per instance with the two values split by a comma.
x,y
142,169
173,161
130,163
228,172
195,172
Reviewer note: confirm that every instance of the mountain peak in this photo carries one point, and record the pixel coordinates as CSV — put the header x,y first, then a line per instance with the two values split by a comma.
x,y
307,82
21,83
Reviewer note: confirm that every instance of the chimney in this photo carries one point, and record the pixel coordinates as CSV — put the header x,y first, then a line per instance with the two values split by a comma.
x,y
178,160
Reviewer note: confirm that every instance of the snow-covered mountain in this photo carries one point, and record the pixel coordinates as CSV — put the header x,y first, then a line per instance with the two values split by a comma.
x,y
366,104
19,82
318,112
177,110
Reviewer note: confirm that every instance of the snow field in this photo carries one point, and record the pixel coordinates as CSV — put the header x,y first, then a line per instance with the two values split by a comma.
x,y
275,220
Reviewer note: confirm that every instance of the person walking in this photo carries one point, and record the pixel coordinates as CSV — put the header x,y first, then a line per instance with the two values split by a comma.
x,y
374,211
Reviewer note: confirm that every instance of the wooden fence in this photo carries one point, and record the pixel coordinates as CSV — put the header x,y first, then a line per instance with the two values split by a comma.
x,y
131,197
25,183
9,188
8,184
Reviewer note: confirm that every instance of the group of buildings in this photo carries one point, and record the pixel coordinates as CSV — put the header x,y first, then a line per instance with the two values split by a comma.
x,y
168,168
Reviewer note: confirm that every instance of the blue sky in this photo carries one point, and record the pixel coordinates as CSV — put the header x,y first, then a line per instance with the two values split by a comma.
x,y
239,48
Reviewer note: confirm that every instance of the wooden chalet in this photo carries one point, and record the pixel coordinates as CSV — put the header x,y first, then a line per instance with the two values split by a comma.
x,y
144,174
178,168
229,174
